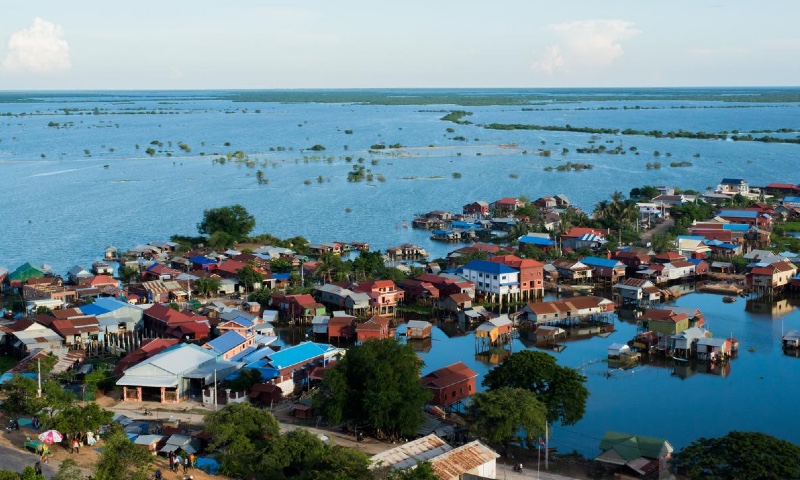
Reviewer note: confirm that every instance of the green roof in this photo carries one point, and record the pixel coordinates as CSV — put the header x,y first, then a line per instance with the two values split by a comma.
x,y
630,447
26,271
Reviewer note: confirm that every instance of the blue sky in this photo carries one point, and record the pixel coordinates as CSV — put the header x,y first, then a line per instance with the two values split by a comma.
x,y
180,44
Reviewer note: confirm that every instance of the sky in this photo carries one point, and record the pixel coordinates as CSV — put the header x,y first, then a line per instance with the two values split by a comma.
x,y
240,44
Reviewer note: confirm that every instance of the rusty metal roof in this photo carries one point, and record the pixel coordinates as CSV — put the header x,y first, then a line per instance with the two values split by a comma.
x,y
462,460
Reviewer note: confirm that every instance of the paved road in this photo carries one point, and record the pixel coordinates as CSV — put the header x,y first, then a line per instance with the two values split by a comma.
x,y
660,228
16,459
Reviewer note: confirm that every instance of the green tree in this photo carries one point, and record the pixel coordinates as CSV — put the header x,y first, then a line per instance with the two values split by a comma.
x,y
561,389
75,420
121,459
68,470
232,220
303,455
127,274
423,471
242,434
245,380
207,286
280,265
250,278
502,415
20,397
739,456
376,384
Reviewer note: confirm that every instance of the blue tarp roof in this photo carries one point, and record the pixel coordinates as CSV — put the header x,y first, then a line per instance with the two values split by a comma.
x,y
601,262
109,303
488,267
465,225
93,310
297,354
8,376
736,227
738,213
201,260
544,242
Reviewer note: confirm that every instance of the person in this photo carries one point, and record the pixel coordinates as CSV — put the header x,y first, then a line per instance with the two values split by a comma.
x,y
171,462
46,455
38,468
76,445
192,460
178,462
185,464
157,475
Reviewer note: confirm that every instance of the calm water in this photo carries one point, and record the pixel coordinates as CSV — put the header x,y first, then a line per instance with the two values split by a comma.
x,y
61,205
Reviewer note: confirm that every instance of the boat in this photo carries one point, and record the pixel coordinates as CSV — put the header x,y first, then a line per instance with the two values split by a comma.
x,y
728,299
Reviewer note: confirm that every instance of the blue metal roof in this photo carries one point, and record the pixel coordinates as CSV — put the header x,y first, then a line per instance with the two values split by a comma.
x,y
601,262
226,342
736,227
488,267
281,276
465,225
298,354
791,200
539,241
246,323
93,310
201,260
695,261
109,303
738,213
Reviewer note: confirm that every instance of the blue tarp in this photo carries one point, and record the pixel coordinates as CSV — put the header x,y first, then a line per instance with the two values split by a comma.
x,y
208,465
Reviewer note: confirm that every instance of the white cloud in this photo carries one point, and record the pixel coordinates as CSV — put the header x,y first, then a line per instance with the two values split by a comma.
x,y
38,49
585,44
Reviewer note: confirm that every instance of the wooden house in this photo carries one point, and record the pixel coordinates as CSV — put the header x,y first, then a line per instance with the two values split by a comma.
x,y
713,349
342,327
377,327
635,456
637,291
791,340
450,385
606,269
572,270
418,329
479,208
495,331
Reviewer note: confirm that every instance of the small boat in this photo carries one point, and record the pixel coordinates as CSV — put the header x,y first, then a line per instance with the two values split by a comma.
x,y
728,299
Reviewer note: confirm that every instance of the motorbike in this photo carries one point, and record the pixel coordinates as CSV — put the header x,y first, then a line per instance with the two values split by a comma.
x,y
518,467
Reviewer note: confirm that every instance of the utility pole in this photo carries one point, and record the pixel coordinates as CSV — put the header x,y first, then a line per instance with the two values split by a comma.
x,y
39,377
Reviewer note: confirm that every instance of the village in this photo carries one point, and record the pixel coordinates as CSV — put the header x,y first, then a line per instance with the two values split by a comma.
x,y
176,324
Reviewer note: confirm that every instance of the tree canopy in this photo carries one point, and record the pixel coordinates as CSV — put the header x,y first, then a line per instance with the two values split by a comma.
x,y
739,456
242,433
561,389
502,415
375,385
234,221
121,459
251,446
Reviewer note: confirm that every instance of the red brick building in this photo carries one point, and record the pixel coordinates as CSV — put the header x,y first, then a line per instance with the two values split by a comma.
x,y
450,385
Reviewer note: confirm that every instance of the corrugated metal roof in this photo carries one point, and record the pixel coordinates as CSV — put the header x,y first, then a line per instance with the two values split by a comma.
x,y
226,342
408,454
462,459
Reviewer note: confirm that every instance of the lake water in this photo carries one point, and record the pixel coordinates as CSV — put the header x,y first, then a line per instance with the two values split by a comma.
x,y
75,182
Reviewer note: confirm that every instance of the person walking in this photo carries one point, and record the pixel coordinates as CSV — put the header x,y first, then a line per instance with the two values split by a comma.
x,y
171,462
178,462
38,468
